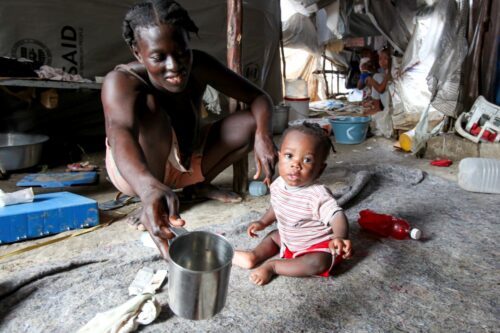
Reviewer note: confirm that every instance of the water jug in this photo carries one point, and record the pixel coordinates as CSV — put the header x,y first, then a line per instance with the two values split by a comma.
x,y
479,174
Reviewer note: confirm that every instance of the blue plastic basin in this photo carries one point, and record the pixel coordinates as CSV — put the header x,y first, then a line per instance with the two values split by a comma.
x,y
350,130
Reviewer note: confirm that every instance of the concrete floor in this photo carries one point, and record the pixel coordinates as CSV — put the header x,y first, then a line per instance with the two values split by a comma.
x,y
443,283
372,151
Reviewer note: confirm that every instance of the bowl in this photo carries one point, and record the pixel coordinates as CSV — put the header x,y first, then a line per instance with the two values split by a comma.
x,y
350,130
20,151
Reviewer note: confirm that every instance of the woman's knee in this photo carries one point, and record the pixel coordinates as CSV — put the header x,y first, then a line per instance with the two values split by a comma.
x,y
239,126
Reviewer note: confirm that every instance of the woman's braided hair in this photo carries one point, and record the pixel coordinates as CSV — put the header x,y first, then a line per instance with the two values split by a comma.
x,y
315,130
152,13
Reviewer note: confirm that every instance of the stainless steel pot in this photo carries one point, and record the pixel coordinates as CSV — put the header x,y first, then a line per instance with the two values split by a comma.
x,y
198,277
20,151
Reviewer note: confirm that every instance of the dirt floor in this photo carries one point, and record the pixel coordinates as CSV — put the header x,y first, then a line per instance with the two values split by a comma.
x,y
374,150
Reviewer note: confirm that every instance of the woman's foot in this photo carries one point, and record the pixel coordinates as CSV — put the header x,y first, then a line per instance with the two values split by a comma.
x,y
134,219
244,259
262,275
209,191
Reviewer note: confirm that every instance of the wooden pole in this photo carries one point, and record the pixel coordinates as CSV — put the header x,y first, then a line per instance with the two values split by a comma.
x,y
234,35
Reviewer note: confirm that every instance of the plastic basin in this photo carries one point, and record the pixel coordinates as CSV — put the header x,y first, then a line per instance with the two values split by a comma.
x,y
350,130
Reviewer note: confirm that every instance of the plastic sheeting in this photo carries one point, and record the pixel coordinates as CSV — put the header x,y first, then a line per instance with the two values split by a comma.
x,y
443,49
484,39
81,38
393,20
429,72
84,37
299,32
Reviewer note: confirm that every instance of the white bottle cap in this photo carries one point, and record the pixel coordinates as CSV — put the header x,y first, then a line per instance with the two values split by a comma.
x,y
415,233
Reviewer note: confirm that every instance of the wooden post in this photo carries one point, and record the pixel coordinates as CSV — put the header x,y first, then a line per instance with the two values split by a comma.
x,y
234,35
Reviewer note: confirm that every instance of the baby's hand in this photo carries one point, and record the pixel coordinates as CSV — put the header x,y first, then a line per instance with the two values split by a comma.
x,y
341,247
255,226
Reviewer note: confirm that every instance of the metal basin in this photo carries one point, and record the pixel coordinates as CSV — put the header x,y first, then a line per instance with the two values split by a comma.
x,y
20,151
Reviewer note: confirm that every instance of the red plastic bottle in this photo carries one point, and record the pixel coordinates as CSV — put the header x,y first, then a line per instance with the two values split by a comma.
x,y
387,225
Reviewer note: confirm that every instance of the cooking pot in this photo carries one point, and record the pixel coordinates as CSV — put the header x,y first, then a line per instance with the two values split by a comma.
x,y
198,273
20,151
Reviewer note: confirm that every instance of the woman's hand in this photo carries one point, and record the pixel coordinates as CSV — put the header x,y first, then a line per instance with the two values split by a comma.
x,y
341,247
254,227
160,210
266,156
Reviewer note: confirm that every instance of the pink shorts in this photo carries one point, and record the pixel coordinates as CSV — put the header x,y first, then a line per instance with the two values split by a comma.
x,y
173,178
320,247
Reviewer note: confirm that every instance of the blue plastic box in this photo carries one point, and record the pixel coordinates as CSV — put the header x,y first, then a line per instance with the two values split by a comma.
x,y
48,214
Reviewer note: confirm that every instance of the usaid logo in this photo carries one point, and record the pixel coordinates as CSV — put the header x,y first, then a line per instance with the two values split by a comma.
x,y
33,50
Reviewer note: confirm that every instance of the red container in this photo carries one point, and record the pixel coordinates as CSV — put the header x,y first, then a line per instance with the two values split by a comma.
x,y
387,226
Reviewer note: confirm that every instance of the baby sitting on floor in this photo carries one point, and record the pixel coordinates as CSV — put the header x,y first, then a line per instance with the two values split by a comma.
x,y
312,232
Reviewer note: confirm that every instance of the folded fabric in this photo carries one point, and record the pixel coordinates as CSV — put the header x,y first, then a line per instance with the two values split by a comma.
x,y
21,196
141,309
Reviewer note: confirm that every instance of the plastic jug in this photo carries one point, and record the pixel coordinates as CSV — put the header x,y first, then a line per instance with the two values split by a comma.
x,y
479,174
386,225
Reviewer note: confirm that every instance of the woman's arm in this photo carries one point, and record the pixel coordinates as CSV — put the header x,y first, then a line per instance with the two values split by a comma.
x,y
379,86
122,100
210,71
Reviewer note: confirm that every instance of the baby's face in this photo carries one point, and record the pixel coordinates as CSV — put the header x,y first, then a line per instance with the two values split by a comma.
x,y
300,159
366,67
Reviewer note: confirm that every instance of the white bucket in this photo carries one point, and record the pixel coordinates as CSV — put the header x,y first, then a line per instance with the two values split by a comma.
x,y
296,88
299,108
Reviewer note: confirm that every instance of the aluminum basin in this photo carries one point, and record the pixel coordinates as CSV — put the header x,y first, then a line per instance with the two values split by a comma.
x,y
20,151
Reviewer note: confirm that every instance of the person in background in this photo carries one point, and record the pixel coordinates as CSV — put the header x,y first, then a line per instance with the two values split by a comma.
x,y
378,84
312,232
366,69
152,106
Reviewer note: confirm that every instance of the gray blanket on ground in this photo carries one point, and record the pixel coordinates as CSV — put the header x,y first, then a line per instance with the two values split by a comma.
x,y
446,282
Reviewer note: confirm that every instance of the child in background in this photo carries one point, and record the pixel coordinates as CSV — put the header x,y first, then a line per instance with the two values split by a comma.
x,y
366,69
379,83
312,230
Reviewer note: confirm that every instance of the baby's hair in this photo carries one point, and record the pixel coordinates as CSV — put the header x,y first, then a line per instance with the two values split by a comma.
x,y
152,13
386,50
313,129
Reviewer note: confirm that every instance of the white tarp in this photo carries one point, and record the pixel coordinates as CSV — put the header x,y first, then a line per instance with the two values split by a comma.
x,y
81,37
84,37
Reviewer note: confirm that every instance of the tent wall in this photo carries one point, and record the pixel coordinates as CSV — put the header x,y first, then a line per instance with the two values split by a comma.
x,y
84,37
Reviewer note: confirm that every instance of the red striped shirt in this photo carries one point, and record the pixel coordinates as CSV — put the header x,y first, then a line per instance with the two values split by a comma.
x,y
303,213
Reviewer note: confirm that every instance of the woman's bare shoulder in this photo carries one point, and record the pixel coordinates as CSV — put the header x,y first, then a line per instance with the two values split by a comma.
x,y
126,76
202,59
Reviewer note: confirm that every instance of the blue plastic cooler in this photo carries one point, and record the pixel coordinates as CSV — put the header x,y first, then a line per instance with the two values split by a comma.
x,y
48,214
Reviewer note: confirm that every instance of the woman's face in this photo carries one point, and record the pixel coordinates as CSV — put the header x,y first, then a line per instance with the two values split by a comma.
x,y
165,52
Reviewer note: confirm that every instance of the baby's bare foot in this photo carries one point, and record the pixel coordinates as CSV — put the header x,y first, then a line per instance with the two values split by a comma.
x,y
262,275
244,259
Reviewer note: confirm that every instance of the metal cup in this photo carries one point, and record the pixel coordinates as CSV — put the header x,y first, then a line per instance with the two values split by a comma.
x,y
199,268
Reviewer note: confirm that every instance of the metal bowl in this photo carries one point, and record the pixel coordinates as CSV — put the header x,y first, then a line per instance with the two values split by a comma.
x,y
20,151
